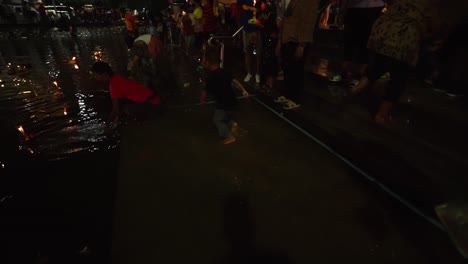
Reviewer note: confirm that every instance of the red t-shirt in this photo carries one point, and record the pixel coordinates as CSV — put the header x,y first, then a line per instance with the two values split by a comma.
x,y
209,19
121,87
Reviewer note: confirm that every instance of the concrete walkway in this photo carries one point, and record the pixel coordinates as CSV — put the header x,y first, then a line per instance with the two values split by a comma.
x,y
274,196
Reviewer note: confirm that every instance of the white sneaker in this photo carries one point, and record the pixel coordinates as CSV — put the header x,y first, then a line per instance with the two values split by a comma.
x,y
257,78
248,78
335,78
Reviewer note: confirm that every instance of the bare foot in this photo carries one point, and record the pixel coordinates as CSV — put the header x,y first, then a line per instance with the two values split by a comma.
x,y
228,140
361,86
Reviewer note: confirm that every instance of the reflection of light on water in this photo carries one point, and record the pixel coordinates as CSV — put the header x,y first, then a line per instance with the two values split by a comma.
x,y
21,130
25,92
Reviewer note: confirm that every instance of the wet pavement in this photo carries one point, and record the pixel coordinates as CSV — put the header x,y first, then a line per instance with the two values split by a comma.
x,y
180,196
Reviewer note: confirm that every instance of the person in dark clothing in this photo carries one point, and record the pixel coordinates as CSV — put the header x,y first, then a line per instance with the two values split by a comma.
x,y
219,85
270,38
452,78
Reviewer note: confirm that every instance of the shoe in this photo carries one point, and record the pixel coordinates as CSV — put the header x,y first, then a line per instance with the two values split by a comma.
x,y
289,105
428,81
386,76
281,99
354,82
248,78
228,140
383,114
361,86
234,128
257,78
454,94
336,78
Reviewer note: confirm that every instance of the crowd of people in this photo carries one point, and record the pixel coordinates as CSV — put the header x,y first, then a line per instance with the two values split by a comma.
x,y
382,38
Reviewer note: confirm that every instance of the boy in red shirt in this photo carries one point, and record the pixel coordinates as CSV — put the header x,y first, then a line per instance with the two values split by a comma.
x,y
139,98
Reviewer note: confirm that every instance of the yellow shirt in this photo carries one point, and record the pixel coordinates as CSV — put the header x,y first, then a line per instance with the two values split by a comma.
x,y
198,13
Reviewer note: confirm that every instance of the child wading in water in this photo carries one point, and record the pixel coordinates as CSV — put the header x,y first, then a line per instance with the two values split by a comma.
x,y
219,85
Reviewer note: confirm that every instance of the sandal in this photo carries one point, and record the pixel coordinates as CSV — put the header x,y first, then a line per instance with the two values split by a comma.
x,y
291,105
281,99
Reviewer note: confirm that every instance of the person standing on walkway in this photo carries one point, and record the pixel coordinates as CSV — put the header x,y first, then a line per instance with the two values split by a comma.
x,y
359,16
395,43
296,34
219,85
197,23
209,20
252,37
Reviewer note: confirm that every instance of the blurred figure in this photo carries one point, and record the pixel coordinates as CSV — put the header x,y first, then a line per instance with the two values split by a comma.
x,y
189,32
155,45
130,23
359,16
296,34
219,85
453,73
141,66
197,22
395,42
270,38
209,21
252,37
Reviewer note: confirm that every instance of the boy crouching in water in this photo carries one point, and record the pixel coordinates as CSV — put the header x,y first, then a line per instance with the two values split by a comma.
x,y
219,85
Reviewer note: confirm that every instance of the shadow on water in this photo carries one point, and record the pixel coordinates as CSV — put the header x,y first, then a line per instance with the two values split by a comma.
x,y
239,229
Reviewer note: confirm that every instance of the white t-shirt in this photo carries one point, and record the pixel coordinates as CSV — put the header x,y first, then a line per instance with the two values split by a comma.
x,y
365,3
281,7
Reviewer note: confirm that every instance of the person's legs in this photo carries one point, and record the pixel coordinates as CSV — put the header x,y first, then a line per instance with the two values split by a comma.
x,y
400,73
351,26
293,71
247,37
223,123
367,19
259,50
377,67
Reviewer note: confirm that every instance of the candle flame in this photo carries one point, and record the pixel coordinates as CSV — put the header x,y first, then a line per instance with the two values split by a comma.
x,y
21,129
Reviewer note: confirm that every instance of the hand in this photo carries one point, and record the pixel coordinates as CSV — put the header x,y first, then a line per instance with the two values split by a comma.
x,y
113,119
299,54
245,93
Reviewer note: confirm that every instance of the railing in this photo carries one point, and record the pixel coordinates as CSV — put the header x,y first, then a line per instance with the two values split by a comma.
x,y
218,38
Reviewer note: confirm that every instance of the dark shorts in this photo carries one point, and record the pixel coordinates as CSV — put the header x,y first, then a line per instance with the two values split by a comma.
x,y
140,111
357,29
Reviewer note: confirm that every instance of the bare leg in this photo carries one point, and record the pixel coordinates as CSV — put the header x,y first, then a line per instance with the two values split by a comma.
x,y
248,62
383,115
361,86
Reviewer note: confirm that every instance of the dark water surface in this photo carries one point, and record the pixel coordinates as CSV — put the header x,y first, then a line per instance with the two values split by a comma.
x,y
58,163
53,105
